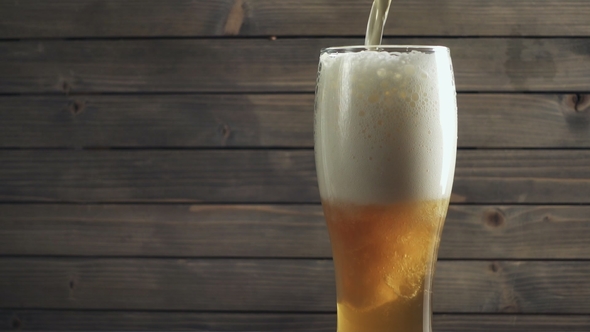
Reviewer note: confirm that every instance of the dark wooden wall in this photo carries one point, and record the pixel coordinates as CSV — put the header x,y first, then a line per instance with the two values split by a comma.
x,y
156,163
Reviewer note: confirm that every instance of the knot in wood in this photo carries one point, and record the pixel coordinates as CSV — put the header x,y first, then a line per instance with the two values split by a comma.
x,y
576,111
494,267
225,131
16,323
76,107
581,102
494,218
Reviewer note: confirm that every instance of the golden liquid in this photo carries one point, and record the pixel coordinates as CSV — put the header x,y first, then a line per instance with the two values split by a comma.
x,y
377,20
384,259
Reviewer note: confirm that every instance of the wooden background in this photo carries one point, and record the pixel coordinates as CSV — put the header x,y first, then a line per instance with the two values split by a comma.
x,y
156,163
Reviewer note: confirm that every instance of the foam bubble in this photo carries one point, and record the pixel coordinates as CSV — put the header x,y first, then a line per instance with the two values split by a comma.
x,y
379,126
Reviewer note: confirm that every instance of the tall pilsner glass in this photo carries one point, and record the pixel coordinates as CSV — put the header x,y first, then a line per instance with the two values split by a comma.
x,y
385,147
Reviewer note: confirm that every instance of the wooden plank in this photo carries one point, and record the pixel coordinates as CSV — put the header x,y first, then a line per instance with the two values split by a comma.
x,y
181,230
516,232
521,176
157,121
524,120
263,65
270,176
163,176
471,232
111,18
285,120
35,320
277,285
510,323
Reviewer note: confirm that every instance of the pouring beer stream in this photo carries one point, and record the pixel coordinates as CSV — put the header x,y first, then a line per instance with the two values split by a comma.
x,y
376,24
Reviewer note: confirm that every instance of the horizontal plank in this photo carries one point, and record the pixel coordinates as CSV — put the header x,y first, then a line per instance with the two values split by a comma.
x,y
157,121
485,120
164,230
270,176
277,285
524,120
36,320
510,323
263,65
169,176
471,232
516,232
111,18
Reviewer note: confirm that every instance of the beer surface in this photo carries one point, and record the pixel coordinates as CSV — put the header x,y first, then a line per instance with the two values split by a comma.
x,y
385,126
383,255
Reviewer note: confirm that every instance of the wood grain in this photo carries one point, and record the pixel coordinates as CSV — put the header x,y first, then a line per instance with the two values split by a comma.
x,y
111,18
59,320
277,285
157,121
148,230
269,176
510,323
229,120
285,120
471,232
514,176
158,176
264,65
523,121
516,232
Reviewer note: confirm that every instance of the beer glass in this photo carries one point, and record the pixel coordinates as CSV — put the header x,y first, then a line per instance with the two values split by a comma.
x,y
385,149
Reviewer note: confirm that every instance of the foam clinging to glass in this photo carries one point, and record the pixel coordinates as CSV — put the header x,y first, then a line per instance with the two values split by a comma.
x,y
379,126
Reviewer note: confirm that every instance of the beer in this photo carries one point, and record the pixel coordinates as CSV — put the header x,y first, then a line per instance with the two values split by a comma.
x,y
383,256
376,23
385,144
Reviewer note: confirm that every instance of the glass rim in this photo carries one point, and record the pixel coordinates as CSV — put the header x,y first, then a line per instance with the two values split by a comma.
x,y
385,48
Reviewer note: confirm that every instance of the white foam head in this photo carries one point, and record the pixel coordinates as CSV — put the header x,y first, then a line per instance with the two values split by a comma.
x,y
386,126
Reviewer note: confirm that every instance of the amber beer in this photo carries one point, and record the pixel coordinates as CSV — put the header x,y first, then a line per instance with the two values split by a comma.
x,y
385,143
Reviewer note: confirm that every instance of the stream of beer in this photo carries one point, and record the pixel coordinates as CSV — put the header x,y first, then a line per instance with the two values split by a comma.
x,y
376,22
